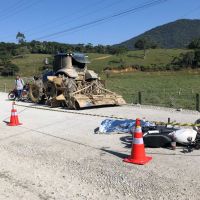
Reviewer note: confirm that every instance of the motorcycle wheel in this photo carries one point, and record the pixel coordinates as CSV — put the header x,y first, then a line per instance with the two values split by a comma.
x,y
11,95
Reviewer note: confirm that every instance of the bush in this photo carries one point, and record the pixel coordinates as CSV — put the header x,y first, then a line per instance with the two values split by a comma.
x,y
9,70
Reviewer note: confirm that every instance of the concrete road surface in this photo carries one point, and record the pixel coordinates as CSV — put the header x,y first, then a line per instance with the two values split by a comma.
x,y
56,155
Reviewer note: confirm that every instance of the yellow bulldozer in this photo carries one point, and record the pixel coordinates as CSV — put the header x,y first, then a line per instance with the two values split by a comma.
x,y
72,85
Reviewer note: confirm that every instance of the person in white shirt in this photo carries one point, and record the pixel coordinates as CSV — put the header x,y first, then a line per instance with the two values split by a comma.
x,y
19,85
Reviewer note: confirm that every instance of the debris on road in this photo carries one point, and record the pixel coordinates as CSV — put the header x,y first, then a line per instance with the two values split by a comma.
x,y
154,135
109,126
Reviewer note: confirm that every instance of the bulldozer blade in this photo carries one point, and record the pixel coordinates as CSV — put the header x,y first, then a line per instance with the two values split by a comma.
x,y
61,97
98,100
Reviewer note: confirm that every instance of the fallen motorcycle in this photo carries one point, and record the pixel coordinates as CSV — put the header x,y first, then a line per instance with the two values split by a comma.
x,y
163,136
156,135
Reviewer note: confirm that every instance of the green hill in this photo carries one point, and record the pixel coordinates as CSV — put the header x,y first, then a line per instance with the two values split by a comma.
x,y
31,64
177,34
155,57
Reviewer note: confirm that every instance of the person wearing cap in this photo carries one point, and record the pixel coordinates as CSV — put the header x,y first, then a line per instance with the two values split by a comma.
x,y
19,85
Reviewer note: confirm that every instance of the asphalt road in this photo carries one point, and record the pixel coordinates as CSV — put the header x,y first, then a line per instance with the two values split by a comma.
x,y
56,155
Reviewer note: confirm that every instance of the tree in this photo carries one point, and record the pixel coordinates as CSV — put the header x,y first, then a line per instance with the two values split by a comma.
x,y
188,59
197,57
100,49
89,48
20,37
22,51
79,47
120,50
144,44
9,69
4,56
195,44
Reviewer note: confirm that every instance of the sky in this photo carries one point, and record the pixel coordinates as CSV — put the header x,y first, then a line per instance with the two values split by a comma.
x,y
103,22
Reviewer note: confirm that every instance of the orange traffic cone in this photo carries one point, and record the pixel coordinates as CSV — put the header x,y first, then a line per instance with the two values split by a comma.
x,y
14,121
138,152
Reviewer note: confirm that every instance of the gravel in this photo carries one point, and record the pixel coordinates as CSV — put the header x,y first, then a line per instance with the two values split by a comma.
x,y
56,155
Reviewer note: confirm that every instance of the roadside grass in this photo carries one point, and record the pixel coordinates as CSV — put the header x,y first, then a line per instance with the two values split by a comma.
x,y
6,83
171,89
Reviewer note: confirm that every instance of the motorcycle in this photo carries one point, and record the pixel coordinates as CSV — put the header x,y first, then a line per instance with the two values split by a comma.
x,y
12,95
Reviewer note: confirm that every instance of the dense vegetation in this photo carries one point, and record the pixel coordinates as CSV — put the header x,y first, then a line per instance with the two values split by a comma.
x,y
190,59
176,34
7,68
155,60
12,51
28,57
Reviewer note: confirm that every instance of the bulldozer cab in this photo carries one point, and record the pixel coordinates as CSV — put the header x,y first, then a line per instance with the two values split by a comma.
x,y
69,60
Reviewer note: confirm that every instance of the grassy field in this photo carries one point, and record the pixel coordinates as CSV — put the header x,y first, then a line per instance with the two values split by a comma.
x,y
171,89
159,57
29,66
6,84
31,63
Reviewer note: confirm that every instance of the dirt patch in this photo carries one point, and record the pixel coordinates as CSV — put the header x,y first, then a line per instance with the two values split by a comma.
x,y
102,58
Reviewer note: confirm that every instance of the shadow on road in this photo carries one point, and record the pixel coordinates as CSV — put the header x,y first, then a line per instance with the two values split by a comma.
x,y
118,154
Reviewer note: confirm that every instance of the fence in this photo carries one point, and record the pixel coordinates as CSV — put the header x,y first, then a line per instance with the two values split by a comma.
x,y
5,88
173,99
176,99
8,84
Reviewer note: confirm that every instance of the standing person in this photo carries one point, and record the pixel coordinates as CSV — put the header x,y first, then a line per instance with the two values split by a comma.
x,y
19,85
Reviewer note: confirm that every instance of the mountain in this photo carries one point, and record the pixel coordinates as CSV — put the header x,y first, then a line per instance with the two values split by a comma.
x,y
177,34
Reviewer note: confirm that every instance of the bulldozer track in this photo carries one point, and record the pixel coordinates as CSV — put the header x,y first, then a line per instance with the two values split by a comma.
x,y
107,116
